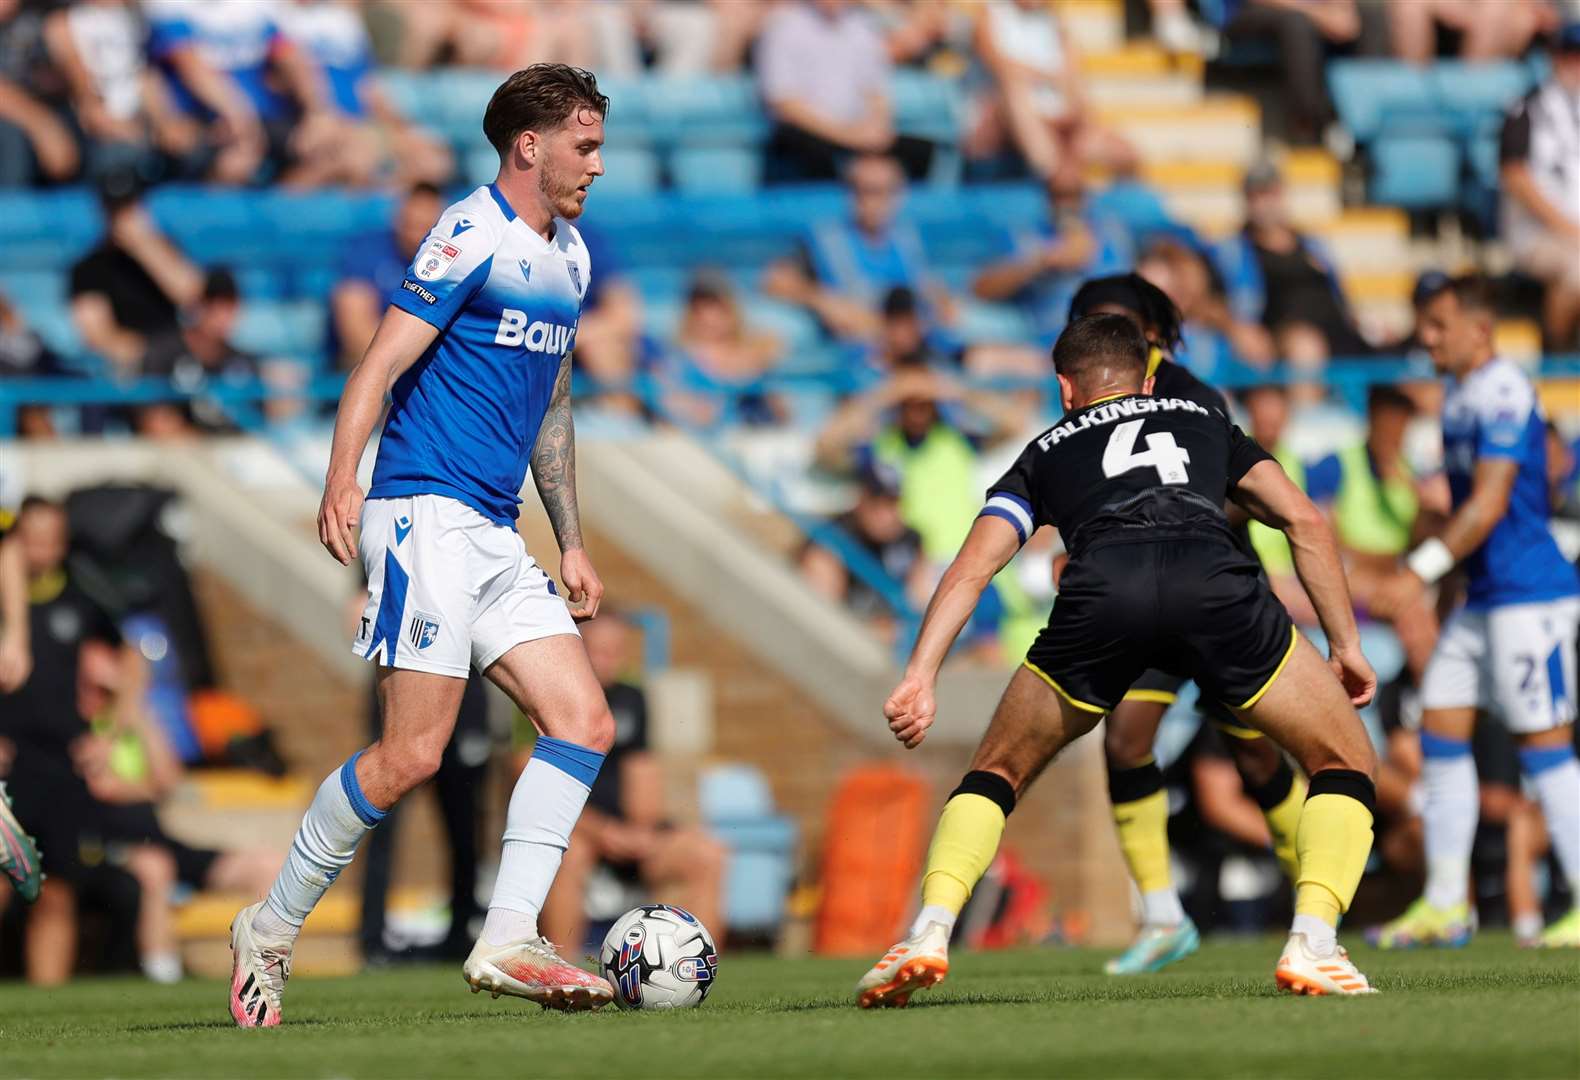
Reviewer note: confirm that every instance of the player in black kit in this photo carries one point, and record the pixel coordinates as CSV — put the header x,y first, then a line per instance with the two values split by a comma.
x,y
1136,484
1135,783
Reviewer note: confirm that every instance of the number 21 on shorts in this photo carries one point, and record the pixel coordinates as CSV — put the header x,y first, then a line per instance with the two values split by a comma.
x,y
1165,455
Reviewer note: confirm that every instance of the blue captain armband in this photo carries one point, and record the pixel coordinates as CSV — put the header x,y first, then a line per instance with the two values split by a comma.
x,y
1013,509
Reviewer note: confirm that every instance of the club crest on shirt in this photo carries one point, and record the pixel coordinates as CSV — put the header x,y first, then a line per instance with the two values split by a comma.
x,y
435,258
576,277
423,630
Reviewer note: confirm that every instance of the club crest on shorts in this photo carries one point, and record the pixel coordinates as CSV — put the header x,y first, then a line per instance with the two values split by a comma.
x,y
422,630
434,260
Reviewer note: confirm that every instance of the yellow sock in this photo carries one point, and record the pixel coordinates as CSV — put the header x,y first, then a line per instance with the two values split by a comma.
x,y
1332,841
1283,821
962,849
1143,826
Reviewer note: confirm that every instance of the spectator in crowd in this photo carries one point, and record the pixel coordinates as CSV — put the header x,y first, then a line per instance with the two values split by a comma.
x,y
1037,103
918,33
847,264
128,290
377,143
915,424
876,527
373,269
501,34
125,115
610,347
1214,344
1051,258
1304,31
1486,31
223,61
23,355
130,768
716,358
902,341
626,825
1539,154
824,73
35,143
1285,280
16,654
198,357
40,721
1267,412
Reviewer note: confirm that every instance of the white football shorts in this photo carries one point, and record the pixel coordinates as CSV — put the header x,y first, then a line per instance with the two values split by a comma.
x,y
449,590
1517,660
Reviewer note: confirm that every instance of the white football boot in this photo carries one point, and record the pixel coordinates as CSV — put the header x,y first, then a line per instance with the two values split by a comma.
x,y
533,969
258,970
1301,971
917,963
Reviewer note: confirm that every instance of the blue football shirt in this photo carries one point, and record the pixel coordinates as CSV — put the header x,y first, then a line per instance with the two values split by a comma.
x,y
465,417
1494,413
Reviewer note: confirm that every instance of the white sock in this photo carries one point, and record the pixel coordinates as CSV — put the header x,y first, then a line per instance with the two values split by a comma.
x,y
933,913
163,968
1527,926
1555,774
1448,777
544,806
339,817
1321,937
1161,907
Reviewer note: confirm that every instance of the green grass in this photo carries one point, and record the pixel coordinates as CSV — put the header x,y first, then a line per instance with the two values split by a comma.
x,y
1488,1010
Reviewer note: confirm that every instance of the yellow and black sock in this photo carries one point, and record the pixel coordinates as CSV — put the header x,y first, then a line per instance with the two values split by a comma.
x,y
1333,841
1282,800
1141,816
966,839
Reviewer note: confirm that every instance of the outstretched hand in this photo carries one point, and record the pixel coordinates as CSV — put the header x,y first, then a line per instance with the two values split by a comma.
x,y
910,710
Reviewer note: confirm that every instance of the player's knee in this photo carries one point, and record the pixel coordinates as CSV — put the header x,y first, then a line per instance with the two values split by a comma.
x,y
152,866
706,854
1126,748
413,762
592,727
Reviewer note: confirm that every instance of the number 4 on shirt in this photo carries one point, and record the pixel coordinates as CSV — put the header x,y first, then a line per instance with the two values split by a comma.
x,y
1162,453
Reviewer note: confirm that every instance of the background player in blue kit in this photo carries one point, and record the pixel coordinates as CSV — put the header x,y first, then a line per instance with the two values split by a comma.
x,y
1510,649
474,352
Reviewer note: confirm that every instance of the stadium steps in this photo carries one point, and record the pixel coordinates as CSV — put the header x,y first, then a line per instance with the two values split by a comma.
x,y
1207,195
1141,74
1220,127
1094,26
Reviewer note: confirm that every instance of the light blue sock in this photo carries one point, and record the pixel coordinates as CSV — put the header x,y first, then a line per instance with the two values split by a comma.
x,y
1555,774
544,807
335,823
1448,777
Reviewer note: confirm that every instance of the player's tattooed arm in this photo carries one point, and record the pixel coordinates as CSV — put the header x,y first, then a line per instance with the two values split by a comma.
x,y
554,462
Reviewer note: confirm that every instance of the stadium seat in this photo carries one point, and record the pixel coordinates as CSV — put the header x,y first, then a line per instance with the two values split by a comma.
x,y
926,106
1476,94
294,328
1418,172
985,324
628,170
705,110
738,808
793,326
1373,94
716,169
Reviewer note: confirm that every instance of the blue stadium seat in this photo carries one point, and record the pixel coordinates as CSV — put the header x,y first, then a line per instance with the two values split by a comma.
x,y
738,807
294,328
793,326
1418,172
1476,94
1373,94
412,93
926,106
716,169
45,229
628,170
706,110
992,324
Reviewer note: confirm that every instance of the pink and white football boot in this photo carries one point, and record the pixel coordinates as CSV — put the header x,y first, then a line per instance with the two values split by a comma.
x,y
533,969
258,970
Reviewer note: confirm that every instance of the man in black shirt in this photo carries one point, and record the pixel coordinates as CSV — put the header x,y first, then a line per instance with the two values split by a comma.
x,y
128,290
19,863
1136,485
197,357
624,824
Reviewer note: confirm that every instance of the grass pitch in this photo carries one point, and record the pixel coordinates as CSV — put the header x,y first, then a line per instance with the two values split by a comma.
x,y
1488,1010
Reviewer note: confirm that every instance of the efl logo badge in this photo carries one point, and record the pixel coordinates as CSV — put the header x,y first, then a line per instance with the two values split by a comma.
x,y
422,632
433,262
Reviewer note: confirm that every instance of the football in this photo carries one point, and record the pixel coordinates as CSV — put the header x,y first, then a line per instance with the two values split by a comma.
x,y
659,957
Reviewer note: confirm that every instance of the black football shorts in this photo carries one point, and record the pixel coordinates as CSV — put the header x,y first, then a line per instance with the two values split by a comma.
x,y
1187,607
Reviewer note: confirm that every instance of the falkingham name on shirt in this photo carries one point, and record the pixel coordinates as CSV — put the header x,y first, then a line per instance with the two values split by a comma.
x,y
1110,411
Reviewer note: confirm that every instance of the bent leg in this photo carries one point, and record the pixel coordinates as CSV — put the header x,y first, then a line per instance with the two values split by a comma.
x,y
155,870
1141,806
1030,726
552,681
1273,785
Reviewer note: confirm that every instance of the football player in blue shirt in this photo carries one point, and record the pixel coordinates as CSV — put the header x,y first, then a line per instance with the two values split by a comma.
x,y
1510,647
474,352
